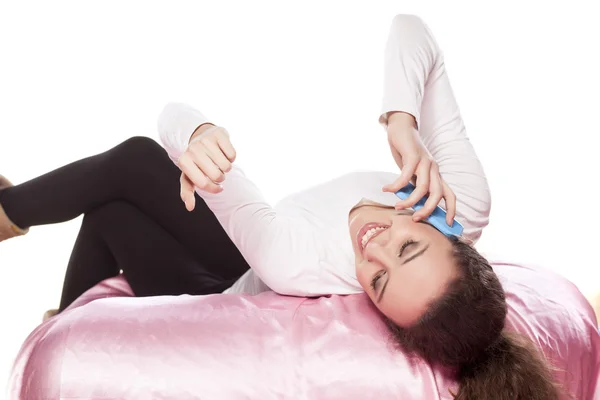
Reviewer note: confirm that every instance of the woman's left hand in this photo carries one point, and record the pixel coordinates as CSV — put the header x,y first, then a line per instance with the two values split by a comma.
x,y
417,165
203,165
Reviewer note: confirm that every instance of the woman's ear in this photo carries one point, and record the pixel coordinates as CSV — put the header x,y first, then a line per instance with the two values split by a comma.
x,y
466,241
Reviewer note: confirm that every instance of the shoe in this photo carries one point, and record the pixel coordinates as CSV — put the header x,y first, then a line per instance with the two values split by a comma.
x,y
4,183
8,229
49,314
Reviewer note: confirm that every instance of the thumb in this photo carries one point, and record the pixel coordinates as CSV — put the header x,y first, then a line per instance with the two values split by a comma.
x,y
187,192
407,173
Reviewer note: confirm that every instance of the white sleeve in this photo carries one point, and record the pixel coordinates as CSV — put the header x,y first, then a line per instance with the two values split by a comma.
x,y
416,82
280,249
176,124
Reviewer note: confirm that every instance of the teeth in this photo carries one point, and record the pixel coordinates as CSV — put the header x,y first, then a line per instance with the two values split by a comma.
x,y
370,234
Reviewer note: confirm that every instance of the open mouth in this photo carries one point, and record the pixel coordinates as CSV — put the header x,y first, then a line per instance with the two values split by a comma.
x,y
368,232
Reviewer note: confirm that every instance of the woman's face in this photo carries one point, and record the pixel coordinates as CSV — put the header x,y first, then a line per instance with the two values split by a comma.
x,y
401,264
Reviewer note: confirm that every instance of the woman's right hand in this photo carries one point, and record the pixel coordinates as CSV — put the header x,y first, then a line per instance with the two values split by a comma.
x,y
205,162
417,165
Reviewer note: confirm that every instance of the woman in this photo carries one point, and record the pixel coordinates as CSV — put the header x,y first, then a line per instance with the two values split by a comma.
x,y
441,299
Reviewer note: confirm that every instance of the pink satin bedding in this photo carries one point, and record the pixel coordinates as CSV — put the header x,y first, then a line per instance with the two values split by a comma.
x,y
109,345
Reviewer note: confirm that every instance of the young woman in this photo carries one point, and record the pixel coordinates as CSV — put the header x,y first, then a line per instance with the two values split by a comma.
x,y
441,299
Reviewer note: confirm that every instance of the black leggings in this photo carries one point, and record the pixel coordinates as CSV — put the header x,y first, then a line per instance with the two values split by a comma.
x,y
134,221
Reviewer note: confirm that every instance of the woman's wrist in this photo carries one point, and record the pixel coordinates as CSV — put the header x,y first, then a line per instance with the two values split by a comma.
x,y
401,124
200,130
400,119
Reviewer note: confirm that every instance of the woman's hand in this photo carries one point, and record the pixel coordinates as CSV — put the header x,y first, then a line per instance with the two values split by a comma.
x,y
205,162
417,165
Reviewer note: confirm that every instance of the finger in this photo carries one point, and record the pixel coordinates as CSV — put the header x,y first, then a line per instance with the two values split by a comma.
x,y
422,186
227,148
187,192
196,176
436,191
200,156
450,199
218,158
408,170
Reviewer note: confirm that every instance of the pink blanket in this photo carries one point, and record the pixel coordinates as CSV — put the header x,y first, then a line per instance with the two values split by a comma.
x,y
109,345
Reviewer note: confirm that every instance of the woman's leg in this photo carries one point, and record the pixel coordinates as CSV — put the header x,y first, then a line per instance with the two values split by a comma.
x,y
118,236
140,172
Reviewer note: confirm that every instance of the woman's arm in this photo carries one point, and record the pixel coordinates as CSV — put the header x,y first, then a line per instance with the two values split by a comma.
x,y
176,124
416,83
279,249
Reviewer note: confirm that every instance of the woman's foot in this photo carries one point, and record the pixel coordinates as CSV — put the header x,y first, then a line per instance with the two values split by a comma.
x,y
49,314
8,229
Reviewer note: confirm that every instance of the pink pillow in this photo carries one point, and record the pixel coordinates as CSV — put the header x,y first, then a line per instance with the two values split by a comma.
x,y
109,345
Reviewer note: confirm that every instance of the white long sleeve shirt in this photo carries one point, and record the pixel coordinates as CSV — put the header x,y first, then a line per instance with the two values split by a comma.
x,y
301,245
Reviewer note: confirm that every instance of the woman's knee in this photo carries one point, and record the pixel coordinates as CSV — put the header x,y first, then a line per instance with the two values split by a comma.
x,y
138,148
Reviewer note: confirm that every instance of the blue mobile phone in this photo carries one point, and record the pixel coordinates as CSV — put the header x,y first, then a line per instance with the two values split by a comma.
x,y
437,217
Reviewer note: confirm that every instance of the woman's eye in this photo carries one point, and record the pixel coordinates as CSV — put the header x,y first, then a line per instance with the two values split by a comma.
x,y
375,281
404,246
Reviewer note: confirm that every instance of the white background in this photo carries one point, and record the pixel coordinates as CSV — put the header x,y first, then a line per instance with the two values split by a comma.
x,y
298,85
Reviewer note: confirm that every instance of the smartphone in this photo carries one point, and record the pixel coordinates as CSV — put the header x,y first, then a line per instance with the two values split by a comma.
x,y
437,218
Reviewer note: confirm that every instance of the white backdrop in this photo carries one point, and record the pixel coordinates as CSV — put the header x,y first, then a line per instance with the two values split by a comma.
x,y
298,85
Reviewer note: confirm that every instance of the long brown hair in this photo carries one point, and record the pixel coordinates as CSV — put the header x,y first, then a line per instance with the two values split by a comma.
x,y
464,330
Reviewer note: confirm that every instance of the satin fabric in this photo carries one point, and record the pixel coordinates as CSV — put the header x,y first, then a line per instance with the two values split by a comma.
x,y
109,345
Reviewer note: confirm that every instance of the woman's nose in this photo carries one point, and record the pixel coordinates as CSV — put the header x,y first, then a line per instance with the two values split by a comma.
x,y
378,251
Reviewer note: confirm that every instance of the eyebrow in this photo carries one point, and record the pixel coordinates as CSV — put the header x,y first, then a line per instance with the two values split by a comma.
x,y
383,289
417,254
409,259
